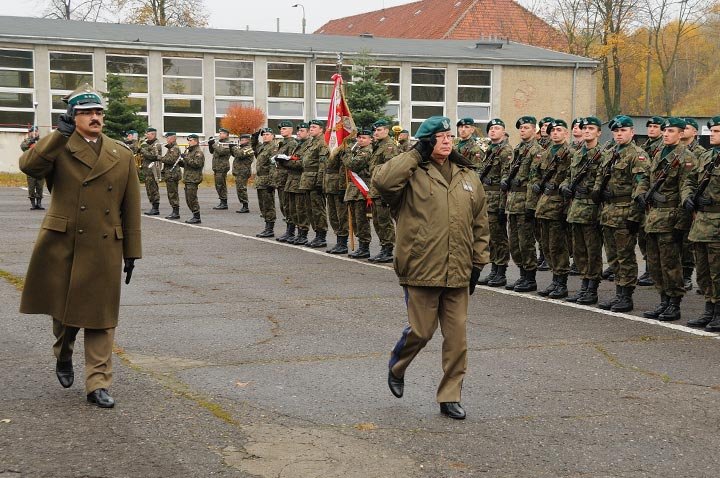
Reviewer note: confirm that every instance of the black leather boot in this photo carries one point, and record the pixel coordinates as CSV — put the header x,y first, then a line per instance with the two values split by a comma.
x,y
561,290
672,311
38,204
385,255
714,325
645,279
65,373
528,284
33,206
583,289
546,291
705,318
574,270
341,246
175,214
244,209
154,210
687,277
625,304
543,266
655,313
608,274
289,232
221,205
490,276
320,240
195,219
301,238
362,251
499,280
269,230
511,286
608,304
590,297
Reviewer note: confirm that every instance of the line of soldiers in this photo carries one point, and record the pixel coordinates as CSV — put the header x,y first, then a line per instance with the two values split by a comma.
x,y
35,186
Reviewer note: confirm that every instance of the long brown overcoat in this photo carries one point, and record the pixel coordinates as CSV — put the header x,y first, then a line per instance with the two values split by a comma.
x,y
93,222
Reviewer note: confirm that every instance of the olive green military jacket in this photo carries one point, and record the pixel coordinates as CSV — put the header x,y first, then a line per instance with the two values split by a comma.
x,y
545,142
280,175
496,161
359,163
335,180
666,211
221,156
243,156
523,156
171,170
150,152
551,205
294,167
264,165
473,149
706,226
193,164
628,177
314,157
92,224
652,146
442,229
583,210
696,148
383,151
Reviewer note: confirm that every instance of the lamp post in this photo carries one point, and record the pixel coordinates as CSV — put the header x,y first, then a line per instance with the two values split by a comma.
x,y
303,18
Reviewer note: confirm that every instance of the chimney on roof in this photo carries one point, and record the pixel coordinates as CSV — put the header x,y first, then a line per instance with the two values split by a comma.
x,y
489,42
366,35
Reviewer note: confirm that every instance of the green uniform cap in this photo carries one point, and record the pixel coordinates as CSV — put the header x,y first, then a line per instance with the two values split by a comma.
x,y
433,125
245,136
692,122
494,122
170,133
674,122
130,131
318,122
714,121
658,120
525,120
405,131
193,136
466,121
84,98
380,123
285,124
151,130
267,130
621,121
365,131
554,123
547,119
591,120
578,121
302,125
223,130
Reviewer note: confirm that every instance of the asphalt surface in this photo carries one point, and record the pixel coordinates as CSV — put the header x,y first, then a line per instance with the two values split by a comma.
x,y
244,357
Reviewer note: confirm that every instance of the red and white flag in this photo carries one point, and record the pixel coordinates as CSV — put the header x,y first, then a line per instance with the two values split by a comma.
x,y
361,185
339,123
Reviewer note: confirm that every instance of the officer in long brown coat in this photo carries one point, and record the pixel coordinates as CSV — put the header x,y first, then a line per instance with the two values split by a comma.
x,y
93,224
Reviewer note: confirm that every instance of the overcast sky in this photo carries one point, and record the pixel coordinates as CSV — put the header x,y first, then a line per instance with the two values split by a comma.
x,y
258,15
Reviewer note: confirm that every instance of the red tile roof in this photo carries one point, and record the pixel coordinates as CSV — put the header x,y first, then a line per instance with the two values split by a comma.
x,y
450,19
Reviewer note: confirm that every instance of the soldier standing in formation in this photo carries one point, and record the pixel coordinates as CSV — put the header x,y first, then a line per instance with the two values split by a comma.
x,y
544,140
296,196
314,157
35,186
151,151
192,163
280,175
689,138
358,161
131,141
172,174
468,144
220,151
334,186
243,156
404,144
577,134
384,149
652,145
264,153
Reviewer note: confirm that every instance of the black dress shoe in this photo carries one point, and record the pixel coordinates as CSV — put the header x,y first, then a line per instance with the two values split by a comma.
x,y
452,410
65,373
397,385
101,398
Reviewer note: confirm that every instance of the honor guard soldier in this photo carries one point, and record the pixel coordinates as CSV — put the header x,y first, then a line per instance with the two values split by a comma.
x,y
220,150
91,231
264,180
35,185
296,197
172,173
243,156
131,140
577,134
515,184
286,146
314,156
544,140
433,189
490,170
334,186
151,152
358,162
583,212
192,162
701,196
667,221
621,178
468,144
690,140
384,148
404,141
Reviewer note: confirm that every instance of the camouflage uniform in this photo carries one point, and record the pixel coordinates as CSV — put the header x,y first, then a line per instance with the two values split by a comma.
x,y
35,185
383,150
264,179
221,165
688,257
151,151
334,186
280,175
193,164
472,149
359,163
545,142
314,157
404,146
497,159
172,174
243,156
296,196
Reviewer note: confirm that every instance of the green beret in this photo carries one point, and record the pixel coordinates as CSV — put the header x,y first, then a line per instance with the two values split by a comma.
x,y
170,133
285,124
245,136
318,122
554,123
674,122
151,130
658,120
84,98
466,121
621,121
714,121
591,120
433,125
547,119
130,131
405,131
302,125
525,120
267,130
193,136
494,122
365,131
692,122
578,121
381,122
223,130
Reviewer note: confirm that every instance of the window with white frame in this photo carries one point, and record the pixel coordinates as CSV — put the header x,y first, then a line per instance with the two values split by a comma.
x,y
133,71
234,85
474,95
182,95
286,92
391,76
324,86
427,95
17,83
68,71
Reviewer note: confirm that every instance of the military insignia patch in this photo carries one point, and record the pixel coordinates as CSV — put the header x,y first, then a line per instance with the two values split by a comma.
x,y
641,158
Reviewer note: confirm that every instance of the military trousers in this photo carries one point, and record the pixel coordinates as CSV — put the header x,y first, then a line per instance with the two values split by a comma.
x,y
241,180
622,242
35,187
315,206
642,242
360,220
296,206
428,306
283,202
151,187
609,246
664,258
98,352
521,239
382,221
337,213
221,184
554,245
707,263
172,192
499,244
688,258
266,200
587,250
191,197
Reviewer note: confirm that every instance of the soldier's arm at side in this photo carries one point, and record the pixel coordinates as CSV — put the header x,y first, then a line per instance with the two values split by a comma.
x,y
481,229
39,161
130,208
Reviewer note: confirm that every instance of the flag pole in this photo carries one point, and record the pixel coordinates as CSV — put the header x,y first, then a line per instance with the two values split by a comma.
x,y
351,233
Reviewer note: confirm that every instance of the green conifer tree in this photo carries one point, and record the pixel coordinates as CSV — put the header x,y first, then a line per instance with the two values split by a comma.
x,y
120,115
367,96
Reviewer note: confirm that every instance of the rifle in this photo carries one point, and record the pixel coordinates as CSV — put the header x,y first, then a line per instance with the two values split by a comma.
x,y
650,195
180,158
707,175
552,169
514,166
490,161
608,171
583,171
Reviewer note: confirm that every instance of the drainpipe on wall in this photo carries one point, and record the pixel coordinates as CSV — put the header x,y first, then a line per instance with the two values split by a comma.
x,y
574,88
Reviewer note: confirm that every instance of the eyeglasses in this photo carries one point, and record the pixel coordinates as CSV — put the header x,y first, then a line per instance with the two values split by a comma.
x,y
89,112
442,136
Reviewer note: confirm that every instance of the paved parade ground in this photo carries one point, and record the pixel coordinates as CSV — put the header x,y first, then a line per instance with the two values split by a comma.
x,y
237,356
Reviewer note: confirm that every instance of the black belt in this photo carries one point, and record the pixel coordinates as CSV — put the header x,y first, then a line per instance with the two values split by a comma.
x,y
665,204
617,199
714,208
491,188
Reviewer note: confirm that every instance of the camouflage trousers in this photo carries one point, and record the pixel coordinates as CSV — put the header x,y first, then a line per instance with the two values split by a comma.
x,y
587,250
688,258
707,261
35,187
360,220
622,242
172,192
283,201
521,240
554,245
642,242
609,246
337,214
221,184
296,208
151,187
499,245
664,262
313,207
537,232
241,180
191,197
266,201
382,221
